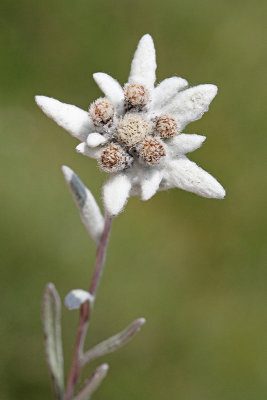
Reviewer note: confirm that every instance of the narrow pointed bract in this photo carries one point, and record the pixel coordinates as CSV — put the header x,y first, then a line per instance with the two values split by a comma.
x,y
95,139
187,175
143,68
75,120
149,182
91,152
166,90
115,193
111,88
190,104
185,143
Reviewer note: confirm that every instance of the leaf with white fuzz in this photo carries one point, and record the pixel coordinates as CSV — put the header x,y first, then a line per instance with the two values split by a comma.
x,y
113,343
190,104
51,316
143,68
73,119
111,88
115,193
165,90
91,152
149,182
89,211
95,139
184,143
187,175
76,298
92,384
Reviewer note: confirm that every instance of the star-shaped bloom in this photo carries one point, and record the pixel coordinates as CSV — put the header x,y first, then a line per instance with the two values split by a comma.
x,y
135,132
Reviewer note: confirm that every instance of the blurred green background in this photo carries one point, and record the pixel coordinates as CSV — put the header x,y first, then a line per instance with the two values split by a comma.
x,y
195,268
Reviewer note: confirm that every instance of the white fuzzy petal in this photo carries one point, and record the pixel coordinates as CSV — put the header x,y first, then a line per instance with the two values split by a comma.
x,y
166,90
187,175
85,150
115,193
95,139
143,68
111,88
190,105
89,211
75,120
184,143
149,182
76,298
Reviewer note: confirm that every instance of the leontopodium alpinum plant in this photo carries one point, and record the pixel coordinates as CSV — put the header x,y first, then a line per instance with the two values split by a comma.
x,y
136,135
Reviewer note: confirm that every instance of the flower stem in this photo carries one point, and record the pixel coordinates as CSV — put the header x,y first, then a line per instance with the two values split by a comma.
x,y
100,257
85,311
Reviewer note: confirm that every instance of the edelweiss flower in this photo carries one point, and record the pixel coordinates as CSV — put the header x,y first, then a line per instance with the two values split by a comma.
x,y
135,132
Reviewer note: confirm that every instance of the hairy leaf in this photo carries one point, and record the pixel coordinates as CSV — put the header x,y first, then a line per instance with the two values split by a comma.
x,y
89,211
51,315
114,342
92,383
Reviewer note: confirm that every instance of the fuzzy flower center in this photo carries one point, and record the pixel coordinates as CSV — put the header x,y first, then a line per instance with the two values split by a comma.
x,y
132,129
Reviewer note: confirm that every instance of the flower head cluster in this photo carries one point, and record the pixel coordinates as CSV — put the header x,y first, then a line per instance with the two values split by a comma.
x,y
135,132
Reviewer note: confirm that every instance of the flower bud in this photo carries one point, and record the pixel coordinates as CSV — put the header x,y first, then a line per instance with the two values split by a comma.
x,y
101,111
114,158
151,150
135,96
166,127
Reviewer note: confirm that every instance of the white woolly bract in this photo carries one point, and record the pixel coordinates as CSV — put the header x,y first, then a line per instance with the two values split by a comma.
x,y
165,90
111,88
150,179
143,68
89,211
189,105
95,139
76,298
91,152
187,175
115,193
184,143
75,120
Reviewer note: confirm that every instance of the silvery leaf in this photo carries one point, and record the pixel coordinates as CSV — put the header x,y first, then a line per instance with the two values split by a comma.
x,y
51,315
88,208
92,384
114,342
